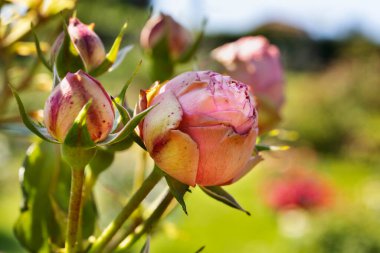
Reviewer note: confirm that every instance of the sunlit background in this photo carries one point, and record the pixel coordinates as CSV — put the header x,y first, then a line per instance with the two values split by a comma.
x,y
331,120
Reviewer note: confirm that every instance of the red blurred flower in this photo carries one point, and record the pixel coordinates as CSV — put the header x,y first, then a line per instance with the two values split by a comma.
x,y
298,190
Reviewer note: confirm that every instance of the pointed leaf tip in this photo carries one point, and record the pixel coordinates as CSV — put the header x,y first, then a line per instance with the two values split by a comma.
x,y
28,122
178,190
39,50
146,247
218,193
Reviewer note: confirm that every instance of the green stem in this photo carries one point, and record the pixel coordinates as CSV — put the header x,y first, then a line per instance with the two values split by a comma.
x,y
129,230
148,224
77,178
131,206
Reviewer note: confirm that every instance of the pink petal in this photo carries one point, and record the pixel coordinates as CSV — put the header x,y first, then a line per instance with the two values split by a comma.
x,y
166,116
223,153
252,162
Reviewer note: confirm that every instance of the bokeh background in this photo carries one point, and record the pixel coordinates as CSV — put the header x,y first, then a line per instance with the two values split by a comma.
x,y
331,120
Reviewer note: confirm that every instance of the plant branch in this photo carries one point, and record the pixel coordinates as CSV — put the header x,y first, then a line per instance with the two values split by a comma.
x,y
148,224
77,178
126,212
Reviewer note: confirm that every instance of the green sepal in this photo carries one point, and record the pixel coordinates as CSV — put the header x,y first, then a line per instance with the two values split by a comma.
x,y
78,148
127,130
218,193
146,247
115,56
29,123
124,115
200,249
193,49
68,58
39,51
123,91
178,190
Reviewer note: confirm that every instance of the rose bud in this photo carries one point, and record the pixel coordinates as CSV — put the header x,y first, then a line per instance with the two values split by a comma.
x,y
164,27
87,43
257,63
67,99
202,129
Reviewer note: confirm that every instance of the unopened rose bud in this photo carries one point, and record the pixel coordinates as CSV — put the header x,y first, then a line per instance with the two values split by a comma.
x,y
164,27
67,99
256,62
87,42
203,129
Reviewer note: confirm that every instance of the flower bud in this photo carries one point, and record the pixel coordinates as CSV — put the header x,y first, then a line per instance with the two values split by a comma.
x,y
203,128
164,27
67,99
87,43
257,63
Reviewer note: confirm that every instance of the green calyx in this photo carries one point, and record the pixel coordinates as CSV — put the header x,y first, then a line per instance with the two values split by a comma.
x,y
78,148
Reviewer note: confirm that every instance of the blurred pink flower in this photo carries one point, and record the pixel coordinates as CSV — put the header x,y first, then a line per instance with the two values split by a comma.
x,y
164,27
67,99
298,190
254,61
203,129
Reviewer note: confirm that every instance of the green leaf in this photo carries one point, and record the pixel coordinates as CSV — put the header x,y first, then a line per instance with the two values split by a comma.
x,y
218,193
37,221
29,123
146,247
178,190
113,56
68,59
39,51
127,130
45,182
193,49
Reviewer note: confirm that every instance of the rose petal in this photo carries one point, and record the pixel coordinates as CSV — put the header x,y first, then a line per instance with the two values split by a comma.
x,y
223,153
178,155
247,168
165,116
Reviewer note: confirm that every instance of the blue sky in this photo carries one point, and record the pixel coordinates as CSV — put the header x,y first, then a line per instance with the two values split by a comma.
x,y
321,19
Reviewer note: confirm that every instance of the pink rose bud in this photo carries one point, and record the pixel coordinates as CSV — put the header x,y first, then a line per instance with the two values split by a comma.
x,y
87,42
257,63
203,129
163,27
67,99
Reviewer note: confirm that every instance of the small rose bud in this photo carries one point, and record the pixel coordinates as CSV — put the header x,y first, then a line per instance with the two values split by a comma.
x,y
257,63
165,27
87,42
203,129
67,99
